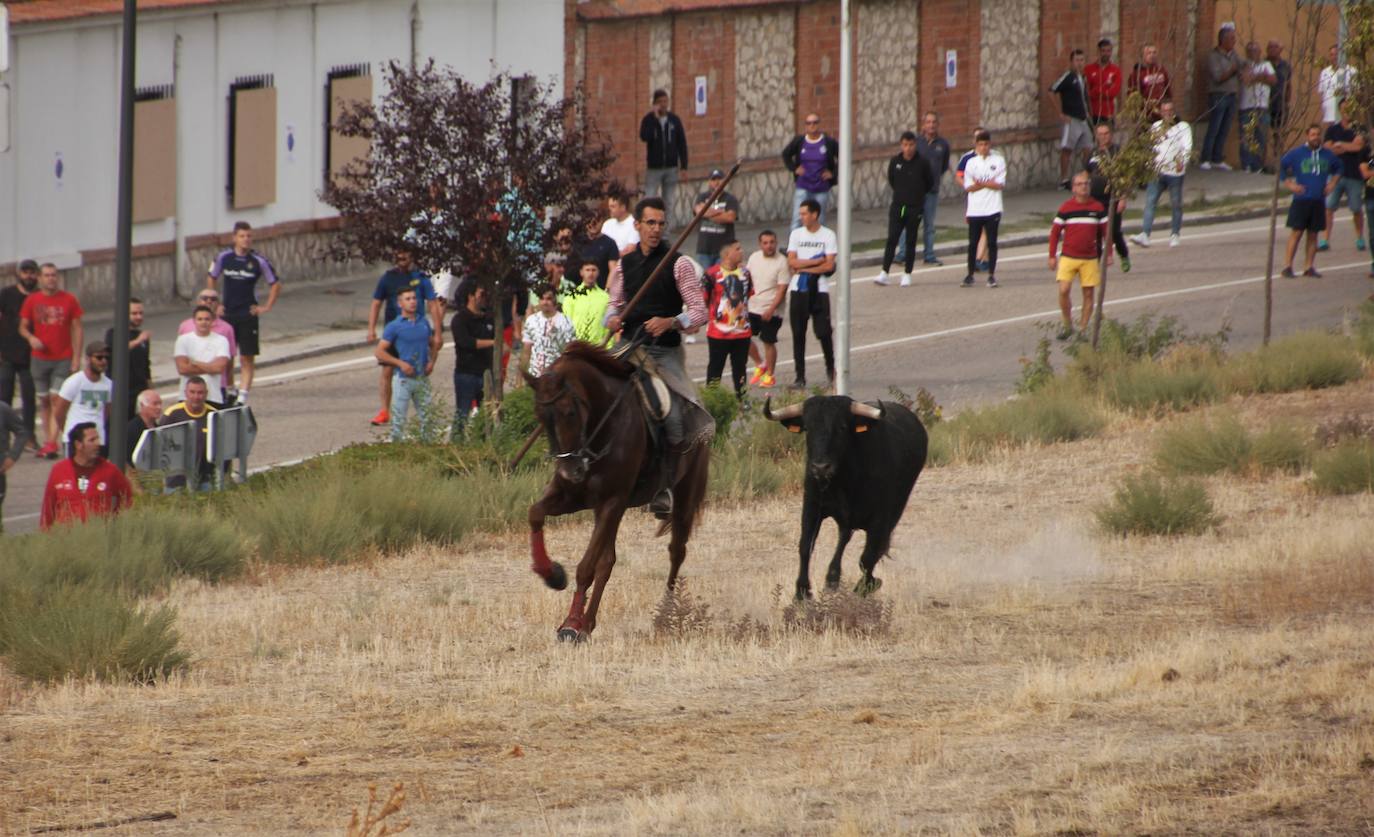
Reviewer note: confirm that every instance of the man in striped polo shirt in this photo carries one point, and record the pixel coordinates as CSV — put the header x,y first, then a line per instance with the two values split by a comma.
x,y
1082,224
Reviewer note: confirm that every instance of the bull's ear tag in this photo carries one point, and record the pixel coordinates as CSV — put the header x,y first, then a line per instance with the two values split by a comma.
x,y
793,429
862,428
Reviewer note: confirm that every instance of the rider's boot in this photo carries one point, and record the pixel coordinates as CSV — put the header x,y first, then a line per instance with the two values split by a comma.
x,y
662,504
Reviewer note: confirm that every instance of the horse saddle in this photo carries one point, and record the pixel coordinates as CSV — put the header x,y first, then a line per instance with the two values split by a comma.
x,y
653,391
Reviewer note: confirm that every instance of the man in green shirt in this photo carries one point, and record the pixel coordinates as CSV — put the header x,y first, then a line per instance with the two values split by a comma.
x,y
586,307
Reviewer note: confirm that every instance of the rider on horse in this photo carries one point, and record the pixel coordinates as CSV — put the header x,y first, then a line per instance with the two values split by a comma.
x,y
667,309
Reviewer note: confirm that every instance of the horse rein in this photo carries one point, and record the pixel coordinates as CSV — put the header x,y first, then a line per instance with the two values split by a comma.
x,y
588,457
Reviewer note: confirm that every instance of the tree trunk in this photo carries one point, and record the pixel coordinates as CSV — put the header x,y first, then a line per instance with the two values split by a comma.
x,y
1102,268
1269,262
498,348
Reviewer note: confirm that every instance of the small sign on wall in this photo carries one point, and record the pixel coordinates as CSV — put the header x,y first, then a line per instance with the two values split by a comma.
x,y
700,97
951,67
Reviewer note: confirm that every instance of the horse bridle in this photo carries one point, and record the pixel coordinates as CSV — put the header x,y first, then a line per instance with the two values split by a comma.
x,y
582,454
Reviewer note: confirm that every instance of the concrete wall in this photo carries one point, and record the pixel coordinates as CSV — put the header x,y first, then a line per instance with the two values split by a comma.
x,y
64,80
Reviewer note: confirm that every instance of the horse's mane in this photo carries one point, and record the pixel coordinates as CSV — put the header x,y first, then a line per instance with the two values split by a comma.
x,y
596,357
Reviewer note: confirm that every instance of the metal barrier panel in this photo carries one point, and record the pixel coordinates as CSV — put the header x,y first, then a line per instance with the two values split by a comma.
x,y
231,436
171,449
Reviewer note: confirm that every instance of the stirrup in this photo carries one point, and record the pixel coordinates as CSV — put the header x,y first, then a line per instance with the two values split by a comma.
x,y
662,504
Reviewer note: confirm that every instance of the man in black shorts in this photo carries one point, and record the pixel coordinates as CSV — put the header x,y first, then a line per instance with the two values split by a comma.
x,y
770,274
1310,172
241,267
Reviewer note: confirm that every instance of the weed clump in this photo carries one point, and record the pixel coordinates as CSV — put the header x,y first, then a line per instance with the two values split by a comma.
x,y
1148,505
1200,446
1053,414
841,611
1347,468
1307,360
679,613
1332,432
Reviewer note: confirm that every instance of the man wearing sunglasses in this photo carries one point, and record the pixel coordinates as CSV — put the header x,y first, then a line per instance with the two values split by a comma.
x,y
210,299
86,395
813,159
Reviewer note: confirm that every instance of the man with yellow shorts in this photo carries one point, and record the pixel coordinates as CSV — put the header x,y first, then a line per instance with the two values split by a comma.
x,y
1081,224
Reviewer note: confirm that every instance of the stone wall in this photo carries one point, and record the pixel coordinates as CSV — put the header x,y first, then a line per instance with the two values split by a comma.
x,y
660,60
1110,12
885,73
766,94
1011,37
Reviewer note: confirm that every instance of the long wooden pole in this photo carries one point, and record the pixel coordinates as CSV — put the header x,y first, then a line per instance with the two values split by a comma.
x,y
630,306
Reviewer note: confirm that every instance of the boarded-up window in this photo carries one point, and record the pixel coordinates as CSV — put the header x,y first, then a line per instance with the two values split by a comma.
x,y
345,87
155,154
252,142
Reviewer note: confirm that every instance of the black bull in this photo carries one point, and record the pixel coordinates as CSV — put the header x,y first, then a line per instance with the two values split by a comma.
x,y
862,461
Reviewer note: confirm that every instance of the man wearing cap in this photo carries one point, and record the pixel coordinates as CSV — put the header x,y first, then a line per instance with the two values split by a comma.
x,y
87,395
718,224
14,349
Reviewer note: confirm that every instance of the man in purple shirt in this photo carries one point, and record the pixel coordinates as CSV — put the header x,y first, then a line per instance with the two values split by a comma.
x,y
812,157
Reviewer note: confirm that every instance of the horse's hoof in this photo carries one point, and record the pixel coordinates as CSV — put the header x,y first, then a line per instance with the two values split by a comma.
x,y
557,579
832,583
572,635
868,586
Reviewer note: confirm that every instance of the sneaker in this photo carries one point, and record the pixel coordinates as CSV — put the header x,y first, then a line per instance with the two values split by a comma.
x,y
691,338
1205,165
1065,332
1143,240
48,451
241,398
1221,166
881,279
933,263
980,265
906,280
1323,244
768,381
1312,272
799,385
1125,264
992,281
1173,240
1359,244
1288,273
758,375
968,281
382,417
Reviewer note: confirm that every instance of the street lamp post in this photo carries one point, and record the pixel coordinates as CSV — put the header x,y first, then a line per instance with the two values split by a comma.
x,y
123,244
844,204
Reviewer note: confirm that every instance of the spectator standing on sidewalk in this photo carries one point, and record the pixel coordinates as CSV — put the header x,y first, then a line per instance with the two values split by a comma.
x,y
727,291
1173,147
13,437
811,252
195,407
15,352
909,178
585,308
718,224
1346,140
1311,173
620,226
241,268
1082,225
934,149
203,354
1151,80
1101,190
402,276
407,347
84,485
665,143
980,260
51,323
1077,135
147,413
473,338
985,177
87,395
769,274
1224,67
813,158
210,299
1281,95
140,362
1333,84
1104,84
1256,80
548,332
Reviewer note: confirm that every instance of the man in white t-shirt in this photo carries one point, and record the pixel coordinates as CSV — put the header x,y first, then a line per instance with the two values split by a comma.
x,y
621,225
1256,80
811,251
771,276
203,352
1333,85
985,176
86,395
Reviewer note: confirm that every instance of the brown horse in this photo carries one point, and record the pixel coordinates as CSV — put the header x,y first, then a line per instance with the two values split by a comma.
x,y
599,437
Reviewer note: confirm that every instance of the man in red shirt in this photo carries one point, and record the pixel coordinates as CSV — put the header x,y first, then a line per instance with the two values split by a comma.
x,y
1104,84
1151,80
1082,222
85,485
50,321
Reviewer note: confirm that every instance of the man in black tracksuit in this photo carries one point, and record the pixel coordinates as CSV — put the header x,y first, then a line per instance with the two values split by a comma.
x,y
665,146
910,179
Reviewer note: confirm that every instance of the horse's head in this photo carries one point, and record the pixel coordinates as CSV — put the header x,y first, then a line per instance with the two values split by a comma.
x,y
561,407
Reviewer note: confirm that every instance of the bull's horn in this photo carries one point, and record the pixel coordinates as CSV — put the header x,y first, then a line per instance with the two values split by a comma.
x,y
865,410
789,412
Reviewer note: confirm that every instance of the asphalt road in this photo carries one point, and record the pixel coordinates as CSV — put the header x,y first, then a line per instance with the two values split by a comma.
x,y
964,345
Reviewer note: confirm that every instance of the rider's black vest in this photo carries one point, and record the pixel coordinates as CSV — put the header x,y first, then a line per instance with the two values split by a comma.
x,y
662,298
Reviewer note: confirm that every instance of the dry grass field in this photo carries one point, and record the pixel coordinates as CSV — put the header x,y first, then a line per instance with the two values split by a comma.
x,y
1036,677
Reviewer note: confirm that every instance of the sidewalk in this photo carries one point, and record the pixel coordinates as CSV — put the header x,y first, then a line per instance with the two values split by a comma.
x,y
323,317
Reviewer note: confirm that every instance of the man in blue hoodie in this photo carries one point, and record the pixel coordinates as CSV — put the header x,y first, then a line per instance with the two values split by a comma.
x,y
1310,172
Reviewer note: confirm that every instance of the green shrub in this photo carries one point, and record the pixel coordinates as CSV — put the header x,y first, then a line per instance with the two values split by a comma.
x,y
1054,414
1281,447
764,458
86,631
1307,360
1199,446
1347,468
723,406
1149,387
1364,329
1037,371
1148,505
